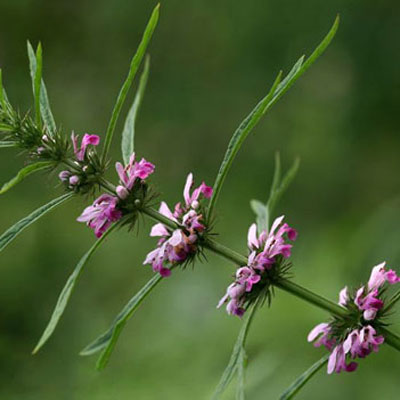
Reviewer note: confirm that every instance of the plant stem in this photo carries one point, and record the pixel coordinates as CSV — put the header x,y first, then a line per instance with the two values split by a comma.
x,y
305,294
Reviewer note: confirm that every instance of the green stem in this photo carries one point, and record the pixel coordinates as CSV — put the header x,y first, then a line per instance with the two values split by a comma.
x,y
305,294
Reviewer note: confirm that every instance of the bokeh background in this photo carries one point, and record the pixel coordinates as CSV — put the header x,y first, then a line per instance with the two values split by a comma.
x,y
210,63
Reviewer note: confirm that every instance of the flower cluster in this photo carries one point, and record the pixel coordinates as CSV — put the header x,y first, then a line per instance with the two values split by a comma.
x,y
110,208
267,251
129,174
357,337
74,179
176,246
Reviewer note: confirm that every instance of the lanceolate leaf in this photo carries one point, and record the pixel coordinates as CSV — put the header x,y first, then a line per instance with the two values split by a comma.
x,y
278,190
135,63
2,99
278,89
296,386
45,109
4,144
262,215
237,358
242,361
24,172
278,187
128,134
68,289
9,235
392,302
107,341
36,85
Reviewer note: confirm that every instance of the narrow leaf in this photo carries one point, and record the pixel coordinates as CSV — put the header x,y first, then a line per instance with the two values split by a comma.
x,y
278,89
4,144
5,128
242,361
107,341
10,234
2,99
24,172
295,387
262,215
277,174
276,193
392,302
237,140
236,356
128,134
45,109
36,85
135,63
68,289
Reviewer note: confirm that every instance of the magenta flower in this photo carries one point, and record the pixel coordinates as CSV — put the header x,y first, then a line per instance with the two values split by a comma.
x,y
101,214
175,247
128,174
267,250
87,140
362,339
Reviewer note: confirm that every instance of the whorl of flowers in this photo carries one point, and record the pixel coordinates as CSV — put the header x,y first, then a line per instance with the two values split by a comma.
x,y
357,336
110,208
267,252
177,246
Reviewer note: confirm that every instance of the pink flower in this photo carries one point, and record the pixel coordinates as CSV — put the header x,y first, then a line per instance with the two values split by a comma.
x,y
176,246
367,298
337,361
357,341
87,140
323,332
268,245
101,214
191,199
134,170
264,250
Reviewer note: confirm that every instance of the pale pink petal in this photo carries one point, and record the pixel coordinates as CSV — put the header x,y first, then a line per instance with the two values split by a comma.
x,y
343,296
252,241
320,328
159,230
186,190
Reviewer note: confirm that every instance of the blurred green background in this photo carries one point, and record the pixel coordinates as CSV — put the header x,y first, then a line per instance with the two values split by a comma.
x,y
211,62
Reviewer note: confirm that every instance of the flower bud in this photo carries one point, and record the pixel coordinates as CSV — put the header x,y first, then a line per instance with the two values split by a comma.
x,y
122,192
64,175
74,180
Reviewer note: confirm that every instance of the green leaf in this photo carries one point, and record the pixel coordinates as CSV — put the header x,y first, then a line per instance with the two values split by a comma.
x,y
36,85
10,234
237,357
263,211
107,341
24,172
262,215
128,134
237,140
45,109
392,302
2,98
295,387
4,144
135,63
278,191
276,92
6,128
68,289
242,362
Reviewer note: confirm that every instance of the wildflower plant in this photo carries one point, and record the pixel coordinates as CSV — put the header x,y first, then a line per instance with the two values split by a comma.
x,y
358,324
